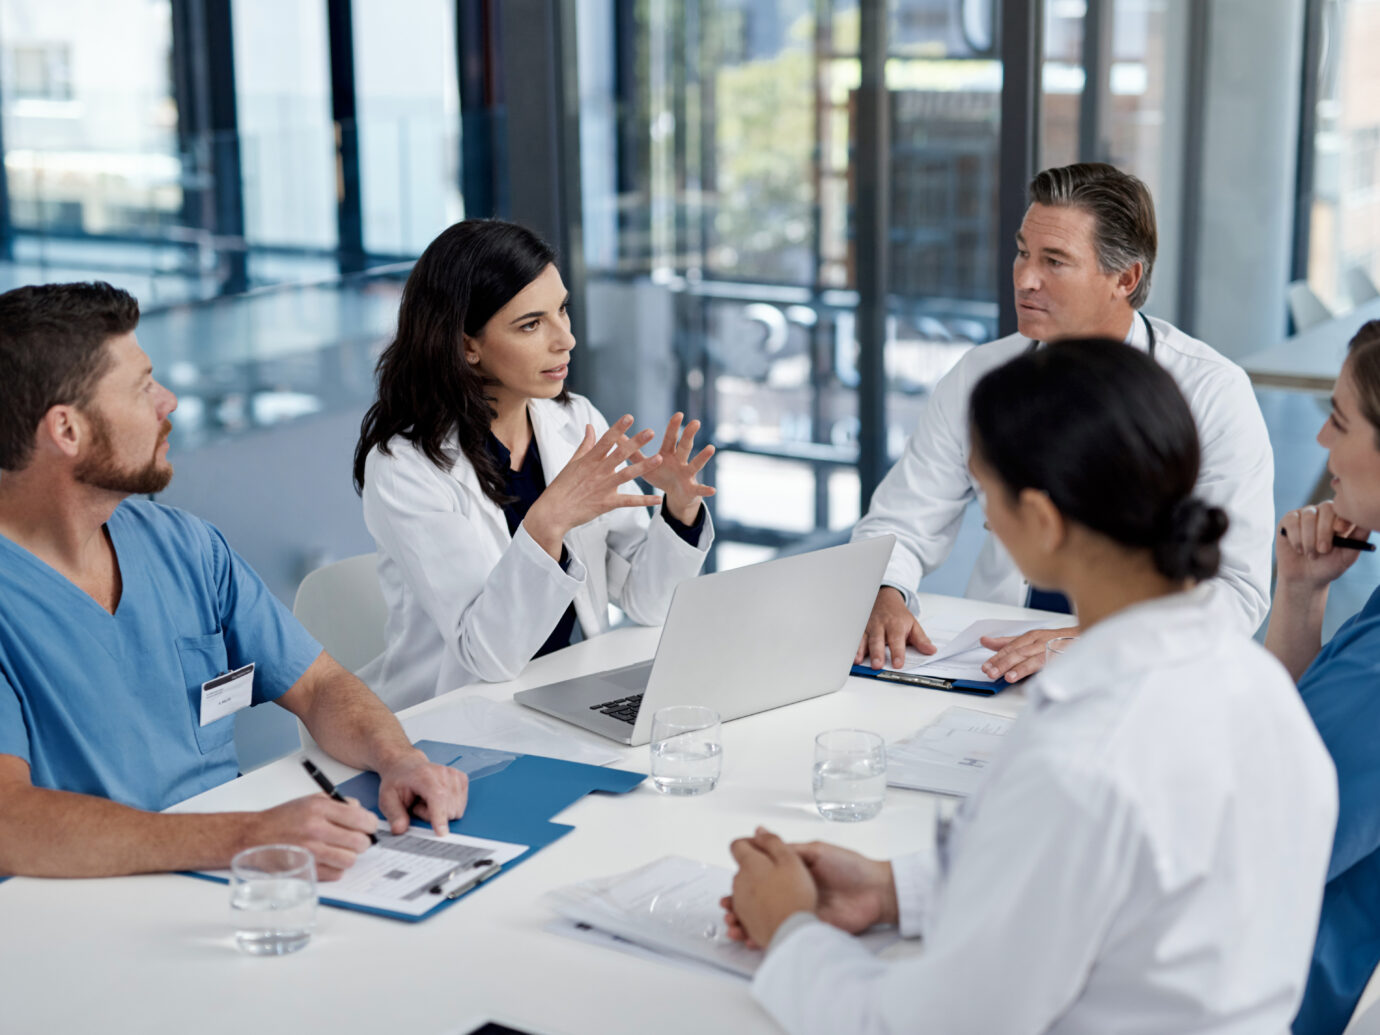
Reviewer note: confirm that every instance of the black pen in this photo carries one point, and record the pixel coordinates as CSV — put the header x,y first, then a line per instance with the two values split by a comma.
x,y
324,782
1347,543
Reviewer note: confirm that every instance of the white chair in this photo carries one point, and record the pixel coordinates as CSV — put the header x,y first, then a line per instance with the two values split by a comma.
x,y
1360,287
342,606
1307,309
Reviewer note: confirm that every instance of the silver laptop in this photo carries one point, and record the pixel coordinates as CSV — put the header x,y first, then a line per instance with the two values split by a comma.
x,y
739,641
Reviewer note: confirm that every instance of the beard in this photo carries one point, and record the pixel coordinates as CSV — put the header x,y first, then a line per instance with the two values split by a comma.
x,y
100,470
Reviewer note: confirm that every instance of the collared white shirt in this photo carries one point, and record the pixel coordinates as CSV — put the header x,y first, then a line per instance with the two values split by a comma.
x,y
922,499
467,600
1146,856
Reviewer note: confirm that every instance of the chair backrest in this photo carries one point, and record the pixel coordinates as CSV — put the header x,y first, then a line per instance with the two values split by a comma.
x,y
342,606
1307,309
1360,287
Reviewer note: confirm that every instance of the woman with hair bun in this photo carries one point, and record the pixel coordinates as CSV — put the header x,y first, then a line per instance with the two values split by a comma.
x,y
1147,853
504,506
1340,683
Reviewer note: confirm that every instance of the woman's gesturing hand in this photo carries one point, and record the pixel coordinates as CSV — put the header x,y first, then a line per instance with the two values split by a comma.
x,y
676,475
588,485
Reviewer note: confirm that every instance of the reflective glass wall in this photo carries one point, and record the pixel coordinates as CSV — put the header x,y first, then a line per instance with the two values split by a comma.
x,y
1344,233
727,225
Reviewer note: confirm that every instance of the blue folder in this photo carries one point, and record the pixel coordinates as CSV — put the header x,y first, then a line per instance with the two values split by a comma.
x,y
962,686
512,798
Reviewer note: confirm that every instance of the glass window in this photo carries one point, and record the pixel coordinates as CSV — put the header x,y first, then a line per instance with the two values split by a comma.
x,y
1344,233
723,233
287,137
89,128
408,103
1062,75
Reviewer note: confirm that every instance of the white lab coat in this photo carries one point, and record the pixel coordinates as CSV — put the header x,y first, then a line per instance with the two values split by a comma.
x,y
1146,856
922,499
467,601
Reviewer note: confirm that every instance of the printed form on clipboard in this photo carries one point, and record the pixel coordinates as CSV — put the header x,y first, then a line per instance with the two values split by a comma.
x,y
957,665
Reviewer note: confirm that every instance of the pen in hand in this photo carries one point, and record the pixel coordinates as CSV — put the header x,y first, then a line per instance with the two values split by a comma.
x,y
1347,543
324,782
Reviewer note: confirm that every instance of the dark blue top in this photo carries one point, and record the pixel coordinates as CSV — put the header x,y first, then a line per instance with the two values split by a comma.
x,y
1342,691
529,482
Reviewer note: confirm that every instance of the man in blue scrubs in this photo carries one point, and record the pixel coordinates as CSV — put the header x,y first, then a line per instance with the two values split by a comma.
x,y
118,617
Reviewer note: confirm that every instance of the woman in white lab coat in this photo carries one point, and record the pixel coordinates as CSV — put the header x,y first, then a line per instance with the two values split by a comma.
x,y
503,506
1147,853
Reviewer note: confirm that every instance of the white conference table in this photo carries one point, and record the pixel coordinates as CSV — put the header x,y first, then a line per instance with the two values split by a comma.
x,y
1309,361
156,953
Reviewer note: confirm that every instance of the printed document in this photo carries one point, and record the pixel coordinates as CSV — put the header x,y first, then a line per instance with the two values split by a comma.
x,y
961,654
949,756
671,907
412,873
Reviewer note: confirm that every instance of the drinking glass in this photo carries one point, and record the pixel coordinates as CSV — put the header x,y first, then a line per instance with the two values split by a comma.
x,y
687,754
273,899
849,775
1058,646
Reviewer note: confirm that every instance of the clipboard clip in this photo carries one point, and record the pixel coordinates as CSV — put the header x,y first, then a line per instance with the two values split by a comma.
x,y
470,883
915,679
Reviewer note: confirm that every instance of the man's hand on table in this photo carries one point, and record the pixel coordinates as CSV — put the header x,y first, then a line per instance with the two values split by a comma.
x,y
437,793
1019,656
892,627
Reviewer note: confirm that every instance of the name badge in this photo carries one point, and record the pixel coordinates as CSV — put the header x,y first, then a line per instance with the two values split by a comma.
x,y
227,694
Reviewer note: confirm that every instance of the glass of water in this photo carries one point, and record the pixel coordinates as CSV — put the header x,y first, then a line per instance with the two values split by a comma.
x,y
849,774
687,754
273,899
1058,646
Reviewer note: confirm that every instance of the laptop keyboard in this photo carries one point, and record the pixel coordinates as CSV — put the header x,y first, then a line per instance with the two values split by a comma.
x,y
623,709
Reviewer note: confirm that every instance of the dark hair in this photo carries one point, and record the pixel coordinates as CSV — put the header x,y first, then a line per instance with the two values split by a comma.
x,y
426,388
1104,431
52,353
1123,211
1363,353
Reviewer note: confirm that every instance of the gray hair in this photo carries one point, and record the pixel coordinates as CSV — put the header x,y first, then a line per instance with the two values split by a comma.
x,y
1123,212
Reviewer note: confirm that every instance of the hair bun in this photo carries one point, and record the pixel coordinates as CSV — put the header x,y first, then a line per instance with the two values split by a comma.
x,y
1189,547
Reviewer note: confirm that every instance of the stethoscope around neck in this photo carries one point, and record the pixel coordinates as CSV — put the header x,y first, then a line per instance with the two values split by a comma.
x,y
1149,330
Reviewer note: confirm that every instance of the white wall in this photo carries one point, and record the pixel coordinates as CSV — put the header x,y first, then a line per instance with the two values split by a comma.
x,y
1255,53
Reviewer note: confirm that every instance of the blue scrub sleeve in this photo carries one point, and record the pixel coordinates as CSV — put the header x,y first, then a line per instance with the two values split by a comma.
x,y
256,625
14,732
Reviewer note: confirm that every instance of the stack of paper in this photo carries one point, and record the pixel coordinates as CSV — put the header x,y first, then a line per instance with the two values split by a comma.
x,y
668,909
950,756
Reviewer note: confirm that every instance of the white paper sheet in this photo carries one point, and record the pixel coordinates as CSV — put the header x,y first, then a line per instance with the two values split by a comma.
x,y
949,756
671,907
961,655
480,722
398,873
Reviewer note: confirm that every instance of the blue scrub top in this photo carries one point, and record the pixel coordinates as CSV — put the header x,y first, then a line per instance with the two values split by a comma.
x,y
1342,691
110,705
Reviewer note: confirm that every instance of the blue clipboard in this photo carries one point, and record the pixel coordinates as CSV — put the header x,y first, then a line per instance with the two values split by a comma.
x,y
962,686
512,798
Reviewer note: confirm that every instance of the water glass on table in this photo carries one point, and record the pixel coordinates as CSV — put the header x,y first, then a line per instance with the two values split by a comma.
x,y
1058,646
687,754
849,775
273,899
